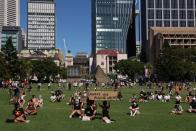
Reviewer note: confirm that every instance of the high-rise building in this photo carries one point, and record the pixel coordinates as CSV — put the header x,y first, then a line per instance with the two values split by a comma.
x,y
1,13
9,13
24,38
166,13
111,20
16,35
41,24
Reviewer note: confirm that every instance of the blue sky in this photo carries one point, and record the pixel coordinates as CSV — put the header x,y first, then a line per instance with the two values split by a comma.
x,y
73,23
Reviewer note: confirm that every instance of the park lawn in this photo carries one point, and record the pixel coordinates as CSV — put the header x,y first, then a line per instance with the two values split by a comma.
x,y
55,116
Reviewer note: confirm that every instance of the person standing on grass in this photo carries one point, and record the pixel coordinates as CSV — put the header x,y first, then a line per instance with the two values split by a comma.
x,y
105,112
39,86
49,85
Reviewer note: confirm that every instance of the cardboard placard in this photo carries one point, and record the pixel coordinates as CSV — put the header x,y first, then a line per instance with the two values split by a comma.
x,y
103,95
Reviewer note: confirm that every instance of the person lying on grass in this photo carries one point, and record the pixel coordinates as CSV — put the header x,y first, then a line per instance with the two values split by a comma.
x,y
134,109
192,108
77,108
105,112
31,109
19,114
177,108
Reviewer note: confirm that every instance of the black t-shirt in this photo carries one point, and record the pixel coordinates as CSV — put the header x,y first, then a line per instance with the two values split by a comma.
x,y
193,104
134,106
77,105
105,111
16,92
177,101
88,111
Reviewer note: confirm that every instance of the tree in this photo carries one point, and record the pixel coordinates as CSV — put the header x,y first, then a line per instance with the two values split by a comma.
x,y
176,64
11,59
25,69
44,70
130,68
63,72
3,70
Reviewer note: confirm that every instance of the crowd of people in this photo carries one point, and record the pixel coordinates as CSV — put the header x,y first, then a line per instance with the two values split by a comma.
x,y
22,110
86,109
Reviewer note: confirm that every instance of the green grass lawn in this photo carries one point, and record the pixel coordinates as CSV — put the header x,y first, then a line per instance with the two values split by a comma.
x,y
55,116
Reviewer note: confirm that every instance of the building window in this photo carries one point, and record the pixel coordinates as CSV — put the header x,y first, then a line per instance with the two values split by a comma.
x,y
190,23
190,14
182,4
175,23
182,23
174,4
150,23
174,14
159,14
167,23
159,23
182,14
189,4
102,63
150,3
166,14
166,3
150,14
158,3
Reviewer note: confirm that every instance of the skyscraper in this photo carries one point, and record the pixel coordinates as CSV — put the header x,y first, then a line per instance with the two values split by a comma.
x,y
166,13
111,20
9,13
41,24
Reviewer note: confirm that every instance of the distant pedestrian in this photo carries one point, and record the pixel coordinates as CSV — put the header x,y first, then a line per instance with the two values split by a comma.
x,y
39,86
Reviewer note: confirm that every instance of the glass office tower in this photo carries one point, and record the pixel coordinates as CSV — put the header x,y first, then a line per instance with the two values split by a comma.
x,y
110,23
166,13
41,24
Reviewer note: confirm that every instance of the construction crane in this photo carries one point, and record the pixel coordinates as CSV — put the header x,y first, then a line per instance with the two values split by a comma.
x,y
65,46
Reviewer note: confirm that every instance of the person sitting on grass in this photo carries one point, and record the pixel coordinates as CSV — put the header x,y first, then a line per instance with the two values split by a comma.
x,y
19,114
177,108
166,98
192,108
59,95
71,100
21,100
77,108
31,109
53,97
105,112
40,101
35,100
89,113
134,109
